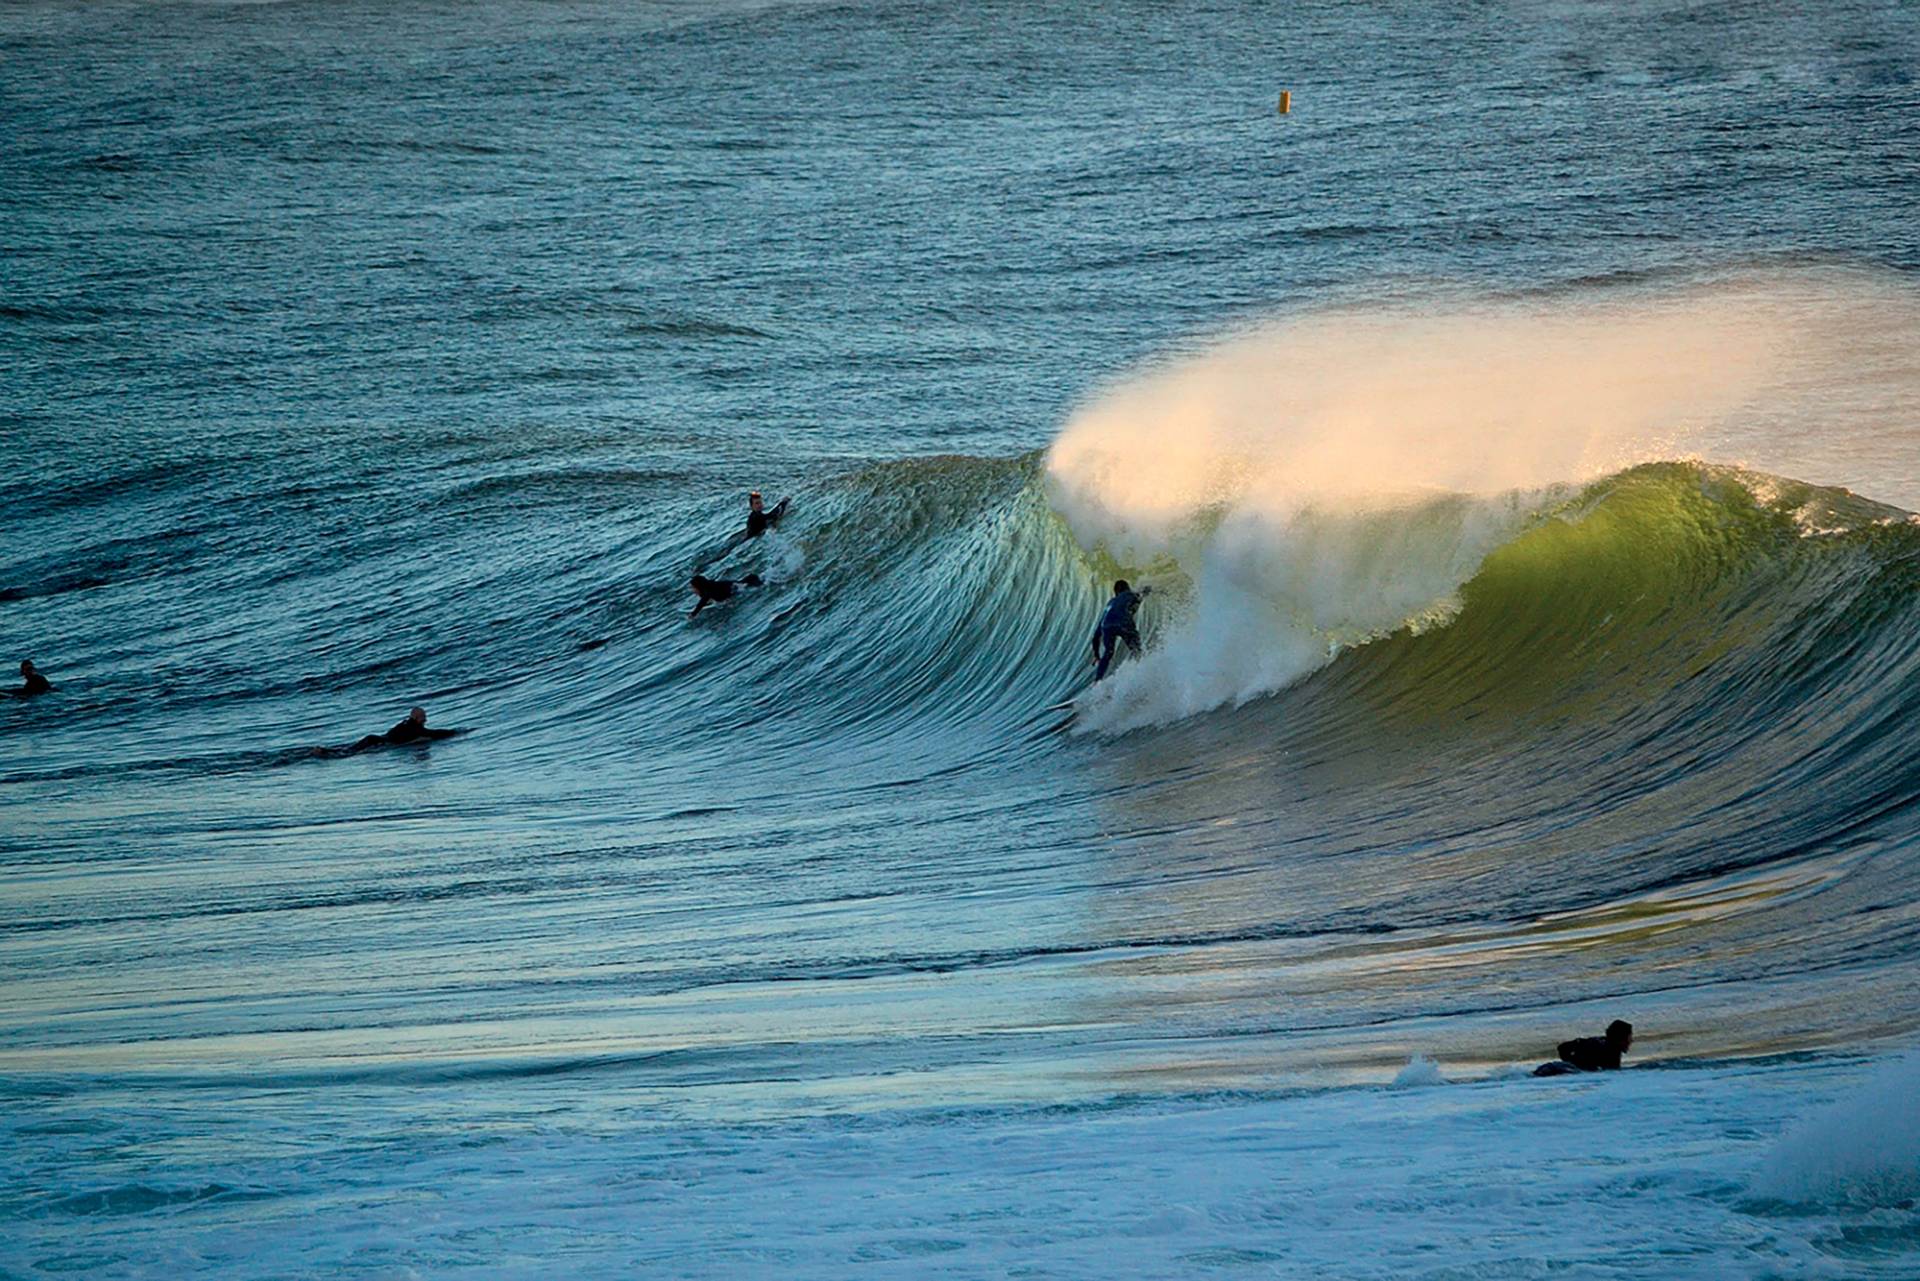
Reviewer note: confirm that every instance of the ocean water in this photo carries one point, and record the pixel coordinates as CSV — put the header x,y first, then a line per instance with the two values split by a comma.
x,y
1520,437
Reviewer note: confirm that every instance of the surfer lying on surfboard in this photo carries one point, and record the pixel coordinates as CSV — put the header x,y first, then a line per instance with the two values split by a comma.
x,y
1591,1053
1116,625
411,730
712,591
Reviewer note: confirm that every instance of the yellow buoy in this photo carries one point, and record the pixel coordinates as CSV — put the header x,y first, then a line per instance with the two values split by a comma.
x,y
1286,102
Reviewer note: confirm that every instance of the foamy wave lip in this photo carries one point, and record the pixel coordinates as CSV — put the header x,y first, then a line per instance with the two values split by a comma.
x,y
1323,482
1268,596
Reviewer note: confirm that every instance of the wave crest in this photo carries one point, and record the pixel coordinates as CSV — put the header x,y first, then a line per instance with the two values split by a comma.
x,y
1333,479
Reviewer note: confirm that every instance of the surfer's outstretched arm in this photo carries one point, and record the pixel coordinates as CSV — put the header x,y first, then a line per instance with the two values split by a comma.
x,y
707,589
760,518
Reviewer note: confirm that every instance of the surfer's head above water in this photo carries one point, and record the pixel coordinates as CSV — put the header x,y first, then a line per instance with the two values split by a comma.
x,y
411,730
1120,585
414,728
760,517
1591,1053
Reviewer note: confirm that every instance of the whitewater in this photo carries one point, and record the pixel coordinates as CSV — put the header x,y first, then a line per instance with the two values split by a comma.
x,y
1340,476
1519,436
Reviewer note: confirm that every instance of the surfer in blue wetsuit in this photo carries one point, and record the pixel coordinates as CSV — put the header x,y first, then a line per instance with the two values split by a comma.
x,y
1116,625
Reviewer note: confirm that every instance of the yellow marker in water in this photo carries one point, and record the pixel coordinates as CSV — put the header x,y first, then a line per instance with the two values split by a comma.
x,y
1286,102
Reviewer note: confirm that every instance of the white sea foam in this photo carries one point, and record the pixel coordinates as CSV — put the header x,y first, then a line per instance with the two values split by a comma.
x,y
785,557
1627,1176
1863,1149
1324,480
1419,1071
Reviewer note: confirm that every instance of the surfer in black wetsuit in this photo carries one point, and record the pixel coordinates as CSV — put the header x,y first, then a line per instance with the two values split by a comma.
x,y
759,518
1116,625
35,682
711,591
411,730
1591,1053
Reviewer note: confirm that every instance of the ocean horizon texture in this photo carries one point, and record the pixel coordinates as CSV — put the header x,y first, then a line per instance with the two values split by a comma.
x,y
1520,436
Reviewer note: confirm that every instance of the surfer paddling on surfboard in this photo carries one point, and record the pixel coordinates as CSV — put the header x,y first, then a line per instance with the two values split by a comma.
x,y
712,591
411,730
1591,1053
1116,625
759,517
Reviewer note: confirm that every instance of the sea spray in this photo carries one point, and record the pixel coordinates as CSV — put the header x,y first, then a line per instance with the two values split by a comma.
x,y
1862,1150
1326,480
1419,1073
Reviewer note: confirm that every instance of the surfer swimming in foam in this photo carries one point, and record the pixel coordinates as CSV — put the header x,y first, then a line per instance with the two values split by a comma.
x,y
1590,1053
712,591
1116,625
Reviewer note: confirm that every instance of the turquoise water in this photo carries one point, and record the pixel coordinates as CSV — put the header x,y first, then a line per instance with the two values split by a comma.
x,y
363,356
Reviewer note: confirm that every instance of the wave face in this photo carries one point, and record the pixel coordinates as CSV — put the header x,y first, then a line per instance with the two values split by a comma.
x,y
1330,479
1460,675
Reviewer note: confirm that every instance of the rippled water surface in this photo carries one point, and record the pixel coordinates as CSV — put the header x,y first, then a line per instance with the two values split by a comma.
x,y
358,356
